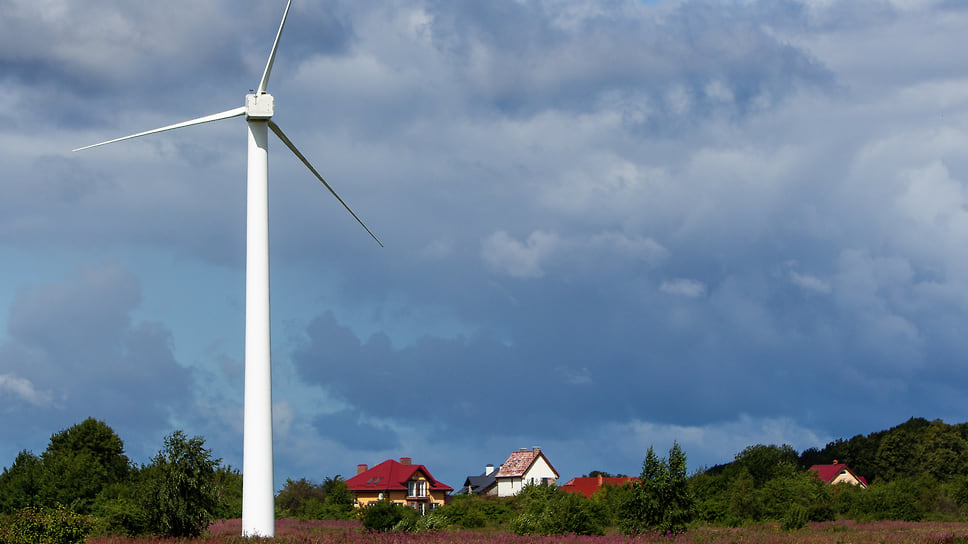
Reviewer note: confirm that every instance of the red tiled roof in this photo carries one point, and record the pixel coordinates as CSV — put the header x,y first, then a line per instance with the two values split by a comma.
x,y
520,461
590,484
392,475
828,472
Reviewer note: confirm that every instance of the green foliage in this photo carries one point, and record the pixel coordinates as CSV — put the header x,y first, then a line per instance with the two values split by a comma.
x,y
302,499
79,462
47,526
20,483
464,511
228,485
547,510
795,518
299,499
179,492
386,515
661,501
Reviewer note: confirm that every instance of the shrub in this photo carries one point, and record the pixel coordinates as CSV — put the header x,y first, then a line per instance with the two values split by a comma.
x,y
385,515
795,518
47,526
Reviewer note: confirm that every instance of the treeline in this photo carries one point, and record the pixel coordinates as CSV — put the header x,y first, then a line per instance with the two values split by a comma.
x,y
83,482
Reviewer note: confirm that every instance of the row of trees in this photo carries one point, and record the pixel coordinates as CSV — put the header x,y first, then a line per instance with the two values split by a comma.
x,y
84,475
84,471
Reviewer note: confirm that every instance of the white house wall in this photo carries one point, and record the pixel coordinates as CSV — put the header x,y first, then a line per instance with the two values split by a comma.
x,y
539,471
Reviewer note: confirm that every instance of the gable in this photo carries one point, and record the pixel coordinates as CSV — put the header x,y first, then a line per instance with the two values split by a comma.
x,y
837,473
521,462
391,475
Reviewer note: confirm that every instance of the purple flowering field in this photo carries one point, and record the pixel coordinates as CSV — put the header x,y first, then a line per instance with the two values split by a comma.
x,y
350,532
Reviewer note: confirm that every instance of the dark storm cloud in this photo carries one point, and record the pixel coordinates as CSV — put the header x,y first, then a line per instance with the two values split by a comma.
x,y
727,222
76,347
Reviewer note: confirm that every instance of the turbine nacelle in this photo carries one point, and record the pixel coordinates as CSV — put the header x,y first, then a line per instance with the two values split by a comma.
x,y
258,106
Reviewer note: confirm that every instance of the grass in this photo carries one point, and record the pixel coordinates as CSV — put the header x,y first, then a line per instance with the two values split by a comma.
x,y
350,532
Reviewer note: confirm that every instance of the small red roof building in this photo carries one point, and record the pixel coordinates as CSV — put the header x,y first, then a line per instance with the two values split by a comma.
x,y
588,485
399,481
838,473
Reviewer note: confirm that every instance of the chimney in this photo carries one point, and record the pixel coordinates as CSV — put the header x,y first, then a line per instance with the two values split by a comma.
x,y
599,480
536,450
361,468
488,469
405,460
835,462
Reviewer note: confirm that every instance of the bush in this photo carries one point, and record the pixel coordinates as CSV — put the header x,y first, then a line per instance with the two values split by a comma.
x,y
385,515
46,526
549,511
795,518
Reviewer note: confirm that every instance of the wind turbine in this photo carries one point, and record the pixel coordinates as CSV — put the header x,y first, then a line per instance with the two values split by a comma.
x,y
258,515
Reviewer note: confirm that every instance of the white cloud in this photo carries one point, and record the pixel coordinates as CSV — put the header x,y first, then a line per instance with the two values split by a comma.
x,y
24,390
683,287
518,259
808,282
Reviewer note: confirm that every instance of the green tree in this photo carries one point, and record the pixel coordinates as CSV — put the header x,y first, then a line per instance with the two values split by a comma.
x,y
338,500
767,462
20,483
299,499
228,482
661,501
79,462
180,495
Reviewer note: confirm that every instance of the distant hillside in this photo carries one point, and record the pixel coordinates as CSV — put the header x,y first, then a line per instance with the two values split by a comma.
x,y
913,449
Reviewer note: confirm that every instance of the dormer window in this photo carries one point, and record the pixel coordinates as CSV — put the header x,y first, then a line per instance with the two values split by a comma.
x,y
417,488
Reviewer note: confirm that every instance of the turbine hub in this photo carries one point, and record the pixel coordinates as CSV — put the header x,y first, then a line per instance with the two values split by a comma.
x,y
258,106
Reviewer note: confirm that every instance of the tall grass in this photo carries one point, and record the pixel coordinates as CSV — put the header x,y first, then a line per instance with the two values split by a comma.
x,y
350,532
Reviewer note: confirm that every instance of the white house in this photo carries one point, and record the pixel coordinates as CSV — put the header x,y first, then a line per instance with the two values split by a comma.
x,y
523,467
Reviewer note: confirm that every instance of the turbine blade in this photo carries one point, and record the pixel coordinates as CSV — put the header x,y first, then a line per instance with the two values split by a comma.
x,y
207,119
275,128
264,83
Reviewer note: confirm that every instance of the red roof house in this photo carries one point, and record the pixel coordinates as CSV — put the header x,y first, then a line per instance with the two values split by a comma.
x,y
401,482
588,485
838,473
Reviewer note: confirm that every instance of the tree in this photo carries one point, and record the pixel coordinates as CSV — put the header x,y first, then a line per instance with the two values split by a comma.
x,y
180,495
79,462
338,498
20,483
661,500
299,499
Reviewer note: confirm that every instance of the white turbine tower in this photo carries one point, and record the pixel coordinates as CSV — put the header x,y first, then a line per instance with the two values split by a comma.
x,y
258,516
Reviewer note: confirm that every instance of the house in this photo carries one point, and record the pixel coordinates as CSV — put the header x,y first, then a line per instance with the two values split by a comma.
x,y
525,466
588,485
485,484
838,473
399,481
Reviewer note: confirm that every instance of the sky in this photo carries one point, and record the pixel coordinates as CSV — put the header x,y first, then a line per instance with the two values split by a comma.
x,y
608,225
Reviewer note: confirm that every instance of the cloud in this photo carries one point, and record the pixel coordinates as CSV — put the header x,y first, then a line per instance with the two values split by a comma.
x,y
517,259
683,287
592,212
73,350
22,388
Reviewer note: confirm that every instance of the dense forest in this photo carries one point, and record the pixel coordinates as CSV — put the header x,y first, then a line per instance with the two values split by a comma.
x,y
84,482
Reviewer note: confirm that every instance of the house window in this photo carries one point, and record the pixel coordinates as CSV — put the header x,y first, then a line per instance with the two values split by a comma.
x,y
417,488
419,506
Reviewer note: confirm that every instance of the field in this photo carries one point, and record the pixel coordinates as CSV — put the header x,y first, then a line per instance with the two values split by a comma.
x,y
349,532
